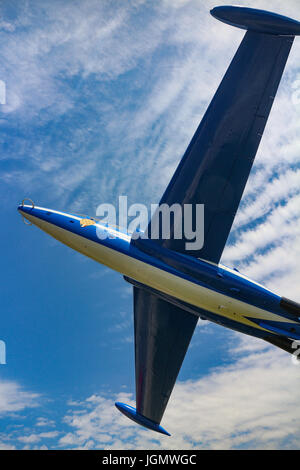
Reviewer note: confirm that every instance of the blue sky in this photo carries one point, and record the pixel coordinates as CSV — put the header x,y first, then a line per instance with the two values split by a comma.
x,y
102,99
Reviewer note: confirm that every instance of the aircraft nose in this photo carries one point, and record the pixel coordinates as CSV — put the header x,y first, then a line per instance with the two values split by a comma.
x,y
26,206
21,208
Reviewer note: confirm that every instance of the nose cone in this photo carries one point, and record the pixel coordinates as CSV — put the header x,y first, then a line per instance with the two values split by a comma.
x,y
49,220
26,210
33,214
64,227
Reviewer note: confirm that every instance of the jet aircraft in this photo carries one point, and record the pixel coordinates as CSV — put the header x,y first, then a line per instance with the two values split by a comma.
x,y
173,286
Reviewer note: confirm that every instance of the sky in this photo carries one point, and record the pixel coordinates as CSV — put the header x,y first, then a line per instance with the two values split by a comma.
x,y
102,99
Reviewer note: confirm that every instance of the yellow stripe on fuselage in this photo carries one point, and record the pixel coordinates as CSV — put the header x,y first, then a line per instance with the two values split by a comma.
x,y
161,280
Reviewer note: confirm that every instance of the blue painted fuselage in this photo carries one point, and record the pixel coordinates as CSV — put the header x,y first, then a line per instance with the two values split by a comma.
x,y
208,290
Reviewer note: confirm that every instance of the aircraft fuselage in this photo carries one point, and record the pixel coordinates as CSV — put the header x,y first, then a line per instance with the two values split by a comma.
x,y
210,291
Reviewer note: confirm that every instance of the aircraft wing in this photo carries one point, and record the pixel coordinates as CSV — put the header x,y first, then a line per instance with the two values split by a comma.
x,y
162,336
162,333
216,165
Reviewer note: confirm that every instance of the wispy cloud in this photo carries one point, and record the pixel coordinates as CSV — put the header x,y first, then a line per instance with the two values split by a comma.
x,y
104,89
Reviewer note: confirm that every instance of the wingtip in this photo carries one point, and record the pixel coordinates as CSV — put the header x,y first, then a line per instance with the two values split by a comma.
x,y
135,416
254,19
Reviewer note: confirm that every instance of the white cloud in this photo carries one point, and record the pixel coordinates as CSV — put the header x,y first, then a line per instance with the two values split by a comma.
x,y
4,446
283,187
251,403
14,398
278,227
42,421
33,438
78,56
